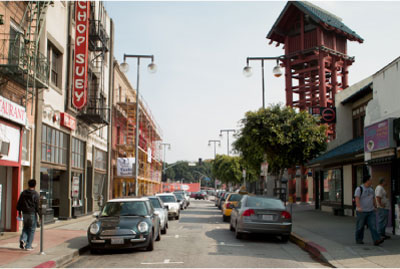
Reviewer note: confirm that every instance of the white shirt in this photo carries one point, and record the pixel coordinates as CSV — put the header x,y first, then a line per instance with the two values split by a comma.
x,y
380,192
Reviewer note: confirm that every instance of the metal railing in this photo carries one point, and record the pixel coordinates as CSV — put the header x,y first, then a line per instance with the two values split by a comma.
x,y
16,58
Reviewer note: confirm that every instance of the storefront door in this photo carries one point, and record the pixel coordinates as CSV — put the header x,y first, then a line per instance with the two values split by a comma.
x,y
5,197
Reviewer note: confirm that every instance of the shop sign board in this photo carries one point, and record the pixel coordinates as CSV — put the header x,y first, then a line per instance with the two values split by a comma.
x,y
12,111
81,59
379,136
125,167
68,121
326,114
75,187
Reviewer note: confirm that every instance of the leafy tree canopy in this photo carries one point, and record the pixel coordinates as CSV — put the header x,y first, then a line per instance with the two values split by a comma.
x,y
285,137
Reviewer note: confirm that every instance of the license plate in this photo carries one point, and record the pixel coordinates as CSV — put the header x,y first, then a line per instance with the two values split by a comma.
x,y
267,217
117,241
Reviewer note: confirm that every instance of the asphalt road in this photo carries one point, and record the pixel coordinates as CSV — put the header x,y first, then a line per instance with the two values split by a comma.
x,y
201,239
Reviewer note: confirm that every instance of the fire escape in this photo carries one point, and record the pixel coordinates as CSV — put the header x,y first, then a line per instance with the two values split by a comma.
x,y
96,110
20,58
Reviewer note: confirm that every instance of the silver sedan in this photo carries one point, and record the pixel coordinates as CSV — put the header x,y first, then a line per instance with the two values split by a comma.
x,y
259,214
162,212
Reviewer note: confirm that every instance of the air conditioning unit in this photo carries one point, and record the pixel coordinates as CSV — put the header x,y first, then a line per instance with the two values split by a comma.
x,y
4,148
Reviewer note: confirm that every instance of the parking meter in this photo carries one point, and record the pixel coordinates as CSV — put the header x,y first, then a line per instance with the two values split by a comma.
x,y
42,212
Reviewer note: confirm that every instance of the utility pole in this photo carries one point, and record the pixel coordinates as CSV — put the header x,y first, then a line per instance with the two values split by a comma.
x,y
227,131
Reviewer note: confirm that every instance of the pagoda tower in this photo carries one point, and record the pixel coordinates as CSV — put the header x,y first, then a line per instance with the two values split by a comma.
x,y
315,60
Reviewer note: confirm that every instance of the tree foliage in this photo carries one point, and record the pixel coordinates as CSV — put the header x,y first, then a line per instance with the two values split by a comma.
x,y
227,168
182,171
285,137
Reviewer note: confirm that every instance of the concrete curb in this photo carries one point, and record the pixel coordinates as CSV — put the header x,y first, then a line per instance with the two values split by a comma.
x,y
61,261
314,249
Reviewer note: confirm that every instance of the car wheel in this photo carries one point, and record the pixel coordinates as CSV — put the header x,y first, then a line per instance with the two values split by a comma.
x,y
159,234
94,251
238,234
150,246
224,218
231,227
285,238
164,231
177,217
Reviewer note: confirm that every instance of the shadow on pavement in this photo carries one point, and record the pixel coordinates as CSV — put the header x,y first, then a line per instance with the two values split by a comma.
x,y
214,220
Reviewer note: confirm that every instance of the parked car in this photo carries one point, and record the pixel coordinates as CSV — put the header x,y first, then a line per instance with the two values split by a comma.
x,y
169,199
124,223
205,194
259,214
222,200
186,196
199,196
181,200
162,210
219,194
231,201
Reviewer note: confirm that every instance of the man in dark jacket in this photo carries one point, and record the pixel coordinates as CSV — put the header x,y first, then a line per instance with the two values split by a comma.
x,y
28,207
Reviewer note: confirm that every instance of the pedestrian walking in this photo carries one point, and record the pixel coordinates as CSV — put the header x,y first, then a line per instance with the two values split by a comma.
x,y
28,208
383,205
365,210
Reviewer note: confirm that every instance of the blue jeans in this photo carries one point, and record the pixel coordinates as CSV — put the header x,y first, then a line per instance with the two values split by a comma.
x,y
28,232
383,215
366,218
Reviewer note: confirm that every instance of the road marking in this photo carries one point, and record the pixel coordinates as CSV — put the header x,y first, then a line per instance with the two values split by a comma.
x,y
228,245
166,261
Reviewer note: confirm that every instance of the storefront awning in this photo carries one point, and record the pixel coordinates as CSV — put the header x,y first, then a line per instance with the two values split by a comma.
x,y
340,153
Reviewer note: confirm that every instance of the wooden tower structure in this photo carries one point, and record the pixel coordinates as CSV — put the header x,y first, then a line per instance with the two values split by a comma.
x,y
315,60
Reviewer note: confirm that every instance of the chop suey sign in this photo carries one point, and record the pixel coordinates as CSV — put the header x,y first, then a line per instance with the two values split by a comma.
x,y
79,92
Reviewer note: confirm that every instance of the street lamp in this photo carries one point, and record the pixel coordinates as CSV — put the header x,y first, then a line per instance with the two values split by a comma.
x,y
277,71
215,143
227,131
152,68
163,145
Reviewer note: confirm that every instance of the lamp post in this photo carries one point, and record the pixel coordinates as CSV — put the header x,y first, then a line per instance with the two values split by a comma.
x,y
227,131
152,68
163,145
277,71
215,154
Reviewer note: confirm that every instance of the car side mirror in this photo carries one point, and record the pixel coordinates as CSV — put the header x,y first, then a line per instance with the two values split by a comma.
x,y
96,214
166,207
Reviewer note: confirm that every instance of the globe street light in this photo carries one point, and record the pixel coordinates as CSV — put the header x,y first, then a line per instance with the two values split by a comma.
x,y
152,68
277,71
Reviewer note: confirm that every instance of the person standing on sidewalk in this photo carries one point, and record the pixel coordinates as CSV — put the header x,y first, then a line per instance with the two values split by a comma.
x,y
365,210
28,207
382,203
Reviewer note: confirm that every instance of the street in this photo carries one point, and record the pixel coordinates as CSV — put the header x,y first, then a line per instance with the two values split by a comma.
x,y
201,239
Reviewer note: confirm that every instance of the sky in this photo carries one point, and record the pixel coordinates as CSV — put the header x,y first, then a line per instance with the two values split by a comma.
x,y
200,49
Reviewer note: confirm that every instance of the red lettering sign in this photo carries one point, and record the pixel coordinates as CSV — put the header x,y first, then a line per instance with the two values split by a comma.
x,y
79,87
68,121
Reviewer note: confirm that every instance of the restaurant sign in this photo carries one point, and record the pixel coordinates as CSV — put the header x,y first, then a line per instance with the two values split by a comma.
x,y
68,121
79,92
12,111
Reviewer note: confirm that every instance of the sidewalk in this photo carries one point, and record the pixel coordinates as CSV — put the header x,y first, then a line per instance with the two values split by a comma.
x,y
63,241
332,239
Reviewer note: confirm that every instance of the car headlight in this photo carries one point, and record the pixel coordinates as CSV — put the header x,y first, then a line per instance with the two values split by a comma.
x,y
143,227
94,228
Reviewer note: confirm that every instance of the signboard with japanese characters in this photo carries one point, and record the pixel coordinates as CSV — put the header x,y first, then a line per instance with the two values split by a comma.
x,y
79,91
379,136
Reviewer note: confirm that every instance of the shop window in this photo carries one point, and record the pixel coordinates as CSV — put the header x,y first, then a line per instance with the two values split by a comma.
x,y
54,146
333,185
25,145
100,161
78,153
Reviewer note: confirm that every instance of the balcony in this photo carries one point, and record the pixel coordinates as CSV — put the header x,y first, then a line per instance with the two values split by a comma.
x,y
98,37
18,62
96,111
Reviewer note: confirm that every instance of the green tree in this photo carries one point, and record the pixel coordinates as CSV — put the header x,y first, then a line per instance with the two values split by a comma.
x,y
284,137
227,168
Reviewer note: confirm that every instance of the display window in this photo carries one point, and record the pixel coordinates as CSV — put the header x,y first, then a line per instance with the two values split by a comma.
x,y
333,185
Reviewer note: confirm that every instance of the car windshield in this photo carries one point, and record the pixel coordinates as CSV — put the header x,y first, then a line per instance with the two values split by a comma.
x,y
235,197
168,198
155,202
179,196
263,202
132,208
